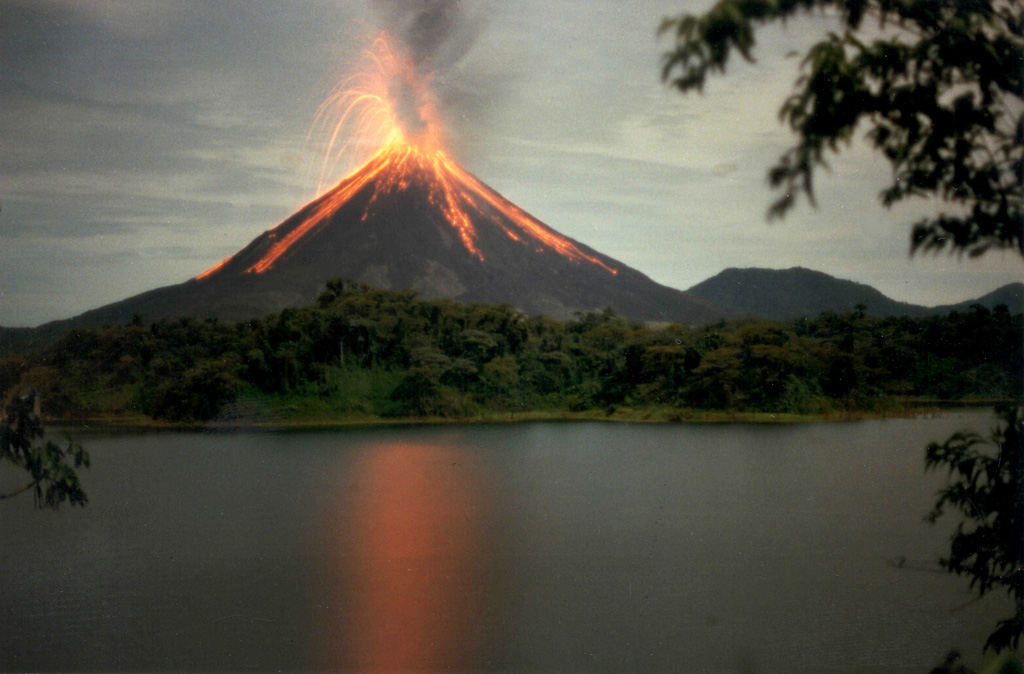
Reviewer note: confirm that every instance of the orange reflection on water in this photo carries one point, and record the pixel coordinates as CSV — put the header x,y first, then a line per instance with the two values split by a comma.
x,y
408,563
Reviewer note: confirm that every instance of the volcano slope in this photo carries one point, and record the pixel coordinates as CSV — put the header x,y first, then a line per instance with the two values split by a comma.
x,y
409,219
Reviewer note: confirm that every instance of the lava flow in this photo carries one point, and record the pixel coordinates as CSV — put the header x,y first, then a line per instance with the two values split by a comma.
x,y
387,104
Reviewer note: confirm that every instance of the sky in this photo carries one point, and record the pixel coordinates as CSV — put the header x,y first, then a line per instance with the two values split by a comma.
x,y
142,141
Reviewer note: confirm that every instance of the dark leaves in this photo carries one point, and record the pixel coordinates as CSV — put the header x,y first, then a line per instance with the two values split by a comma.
x,y
985,490
940,98
53,480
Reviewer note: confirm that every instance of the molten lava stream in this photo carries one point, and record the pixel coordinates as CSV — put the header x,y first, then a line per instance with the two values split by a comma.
x,y
214,269
328,205
529,225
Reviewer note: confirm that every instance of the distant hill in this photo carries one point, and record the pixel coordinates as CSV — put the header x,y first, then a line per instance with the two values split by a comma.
x,y
1011,294
785,294
19,338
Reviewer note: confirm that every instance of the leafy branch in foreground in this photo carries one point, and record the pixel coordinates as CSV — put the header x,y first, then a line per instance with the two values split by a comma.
x,y
986,489
52,479
937,85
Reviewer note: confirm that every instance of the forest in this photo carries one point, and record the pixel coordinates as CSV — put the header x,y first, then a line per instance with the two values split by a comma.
x,y
362,354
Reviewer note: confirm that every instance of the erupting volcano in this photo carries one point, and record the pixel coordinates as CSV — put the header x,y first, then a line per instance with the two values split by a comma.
x,y
411,165
410,217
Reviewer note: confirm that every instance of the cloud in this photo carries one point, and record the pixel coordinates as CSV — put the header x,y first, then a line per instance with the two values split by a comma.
x,y
131,20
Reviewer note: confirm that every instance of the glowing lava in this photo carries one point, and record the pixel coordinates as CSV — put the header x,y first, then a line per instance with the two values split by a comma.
x,y
387,105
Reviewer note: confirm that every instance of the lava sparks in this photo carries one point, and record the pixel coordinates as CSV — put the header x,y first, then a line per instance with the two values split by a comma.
x,y
384,104
385,110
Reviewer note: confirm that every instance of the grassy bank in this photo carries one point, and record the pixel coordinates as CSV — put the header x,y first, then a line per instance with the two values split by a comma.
x,y
278,414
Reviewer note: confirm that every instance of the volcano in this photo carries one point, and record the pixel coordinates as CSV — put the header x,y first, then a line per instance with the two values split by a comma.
x,y
412,219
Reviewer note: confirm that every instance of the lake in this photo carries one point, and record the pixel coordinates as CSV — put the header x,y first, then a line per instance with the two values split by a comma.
x,y
540,547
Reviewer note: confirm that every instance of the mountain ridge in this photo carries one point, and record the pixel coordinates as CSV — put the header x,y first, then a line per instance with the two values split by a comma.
x,y
798,292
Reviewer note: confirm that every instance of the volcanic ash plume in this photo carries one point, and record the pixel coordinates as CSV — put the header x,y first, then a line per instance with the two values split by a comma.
x,y
432,36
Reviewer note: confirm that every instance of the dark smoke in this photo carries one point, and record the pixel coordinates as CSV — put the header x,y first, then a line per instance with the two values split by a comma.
x,y
435,35
407,107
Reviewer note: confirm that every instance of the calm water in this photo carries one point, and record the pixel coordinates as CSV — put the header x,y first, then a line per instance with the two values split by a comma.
x,y
579,547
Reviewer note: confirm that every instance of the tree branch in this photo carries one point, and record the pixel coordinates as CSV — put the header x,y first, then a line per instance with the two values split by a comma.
x,y
19,490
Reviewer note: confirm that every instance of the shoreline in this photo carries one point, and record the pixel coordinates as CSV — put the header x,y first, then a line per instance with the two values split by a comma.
x,y
619,415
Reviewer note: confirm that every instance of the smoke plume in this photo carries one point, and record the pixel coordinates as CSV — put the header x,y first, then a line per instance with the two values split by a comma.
x,y
435,35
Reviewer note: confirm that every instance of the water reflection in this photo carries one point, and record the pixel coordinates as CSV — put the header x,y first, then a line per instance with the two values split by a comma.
x,y
407,556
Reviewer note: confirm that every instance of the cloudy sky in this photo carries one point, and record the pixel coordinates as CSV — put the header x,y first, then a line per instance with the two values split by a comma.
x,y
143,141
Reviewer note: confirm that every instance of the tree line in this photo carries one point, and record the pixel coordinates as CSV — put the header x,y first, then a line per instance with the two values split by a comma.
x,y
382,353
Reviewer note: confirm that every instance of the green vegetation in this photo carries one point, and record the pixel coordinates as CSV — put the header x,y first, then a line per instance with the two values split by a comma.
x,y
363,355
986,490
52,479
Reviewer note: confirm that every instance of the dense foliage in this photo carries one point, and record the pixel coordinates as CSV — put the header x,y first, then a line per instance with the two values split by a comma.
x,y
936,85
370,353
986,490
